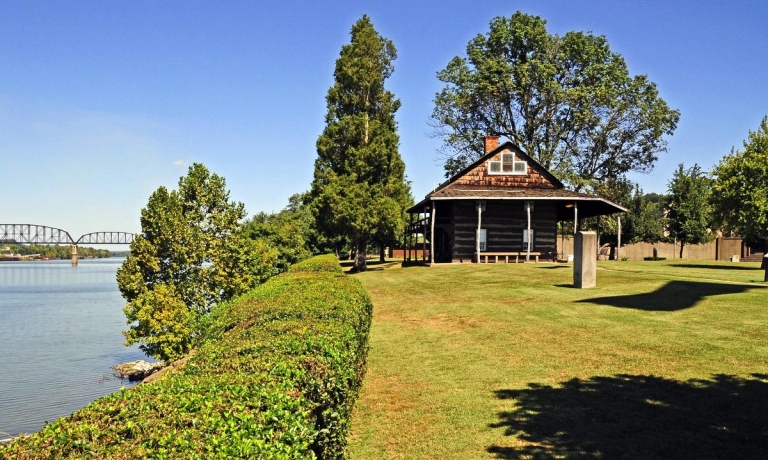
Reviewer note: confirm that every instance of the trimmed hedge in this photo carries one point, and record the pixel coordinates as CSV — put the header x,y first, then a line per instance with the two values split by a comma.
x,y
276,378
326,263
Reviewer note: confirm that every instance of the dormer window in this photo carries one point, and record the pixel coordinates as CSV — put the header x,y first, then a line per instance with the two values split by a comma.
x,y
507,163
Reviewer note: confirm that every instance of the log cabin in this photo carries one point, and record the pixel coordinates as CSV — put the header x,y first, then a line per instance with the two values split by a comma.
x,y
504,207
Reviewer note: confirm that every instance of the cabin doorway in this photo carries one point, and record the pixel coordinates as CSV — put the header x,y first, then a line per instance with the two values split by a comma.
x,y
443,246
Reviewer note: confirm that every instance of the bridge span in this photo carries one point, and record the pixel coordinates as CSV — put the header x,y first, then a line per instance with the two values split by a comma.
x,y
44,235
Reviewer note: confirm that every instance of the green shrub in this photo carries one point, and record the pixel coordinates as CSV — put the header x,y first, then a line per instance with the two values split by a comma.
x,y
276,377
324,263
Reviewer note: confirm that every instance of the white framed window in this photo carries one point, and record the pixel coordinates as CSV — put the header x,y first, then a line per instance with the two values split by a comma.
x,y
507,163
527,237
482,235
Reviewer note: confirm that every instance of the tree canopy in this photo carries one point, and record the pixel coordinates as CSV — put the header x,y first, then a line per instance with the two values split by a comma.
x,y
191,254
568,101
289,233
740,189
644,221
359,190
689,213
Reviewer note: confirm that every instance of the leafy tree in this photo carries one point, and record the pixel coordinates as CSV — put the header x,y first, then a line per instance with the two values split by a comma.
x,y
647,217
689,213
190,255
288,233
568,101
643,221
740,190
359,190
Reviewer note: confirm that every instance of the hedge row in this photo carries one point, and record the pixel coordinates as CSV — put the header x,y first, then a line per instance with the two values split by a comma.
x,y
276,378
326,263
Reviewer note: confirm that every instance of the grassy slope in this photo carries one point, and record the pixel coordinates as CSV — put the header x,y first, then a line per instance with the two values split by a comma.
x,y
508,361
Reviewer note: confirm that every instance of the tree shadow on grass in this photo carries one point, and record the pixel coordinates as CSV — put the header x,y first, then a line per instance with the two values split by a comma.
x,y
673,296
638,417
716,267
371,265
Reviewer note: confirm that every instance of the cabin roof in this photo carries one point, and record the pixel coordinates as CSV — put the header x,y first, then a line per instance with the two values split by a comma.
x,y
588,205
505,146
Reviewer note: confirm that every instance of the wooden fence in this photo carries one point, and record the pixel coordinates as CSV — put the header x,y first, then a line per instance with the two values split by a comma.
x,y
720,249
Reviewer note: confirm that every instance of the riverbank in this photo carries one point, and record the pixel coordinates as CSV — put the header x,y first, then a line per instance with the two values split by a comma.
x,y
51,252
63,326
277,376
38,257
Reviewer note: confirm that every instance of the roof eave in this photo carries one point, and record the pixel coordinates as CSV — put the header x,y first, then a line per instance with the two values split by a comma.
x,y
557,198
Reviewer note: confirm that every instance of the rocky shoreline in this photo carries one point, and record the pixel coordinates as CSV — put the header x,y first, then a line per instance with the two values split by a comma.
x,y
136,370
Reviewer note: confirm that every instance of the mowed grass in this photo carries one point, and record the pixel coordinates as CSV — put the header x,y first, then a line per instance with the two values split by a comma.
x,y
660,360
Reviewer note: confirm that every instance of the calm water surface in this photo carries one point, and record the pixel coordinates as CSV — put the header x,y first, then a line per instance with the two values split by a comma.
x,y
59,335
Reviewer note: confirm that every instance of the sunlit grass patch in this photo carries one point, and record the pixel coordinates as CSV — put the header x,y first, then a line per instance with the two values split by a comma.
x,y
510,361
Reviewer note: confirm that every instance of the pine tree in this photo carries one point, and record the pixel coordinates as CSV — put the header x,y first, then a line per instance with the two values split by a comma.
x,y
359,190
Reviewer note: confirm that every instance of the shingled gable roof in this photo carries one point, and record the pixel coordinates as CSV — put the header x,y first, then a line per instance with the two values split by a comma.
x,y
550,189
505,146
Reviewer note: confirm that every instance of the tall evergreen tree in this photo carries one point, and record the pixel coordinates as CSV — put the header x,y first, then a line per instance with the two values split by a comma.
x,y
359,189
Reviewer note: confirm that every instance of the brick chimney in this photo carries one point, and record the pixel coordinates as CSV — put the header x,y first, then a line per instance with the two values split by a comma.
x,y
490,143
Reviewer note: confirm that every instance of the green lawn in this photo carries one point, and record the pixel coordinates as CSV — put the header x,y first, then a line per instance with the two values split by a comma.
x,y
661,360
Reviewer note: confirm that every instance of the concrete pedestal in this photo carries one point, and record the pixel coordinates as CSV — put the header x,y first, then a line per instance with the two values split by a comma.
x,y
585,260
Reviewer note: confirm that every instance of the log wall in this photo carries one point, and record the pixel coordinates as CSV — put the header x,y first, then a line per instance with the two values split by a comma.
x,y
504,221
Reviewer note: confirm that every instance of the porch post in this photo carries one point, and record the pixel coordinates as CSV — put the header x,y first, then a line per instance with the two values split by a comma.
x,y
424,240
405,241
598,236
432,234
477,234
409,243
575,217
528,247
618,244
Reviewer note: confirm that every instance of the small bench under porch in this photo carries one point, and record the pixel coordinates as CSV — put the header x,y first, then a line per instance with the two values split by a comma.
x,y
506,256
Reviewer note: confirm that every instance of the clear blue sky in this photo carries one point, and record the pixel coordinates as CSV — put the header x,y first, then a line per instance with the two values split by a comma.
x,y
103,102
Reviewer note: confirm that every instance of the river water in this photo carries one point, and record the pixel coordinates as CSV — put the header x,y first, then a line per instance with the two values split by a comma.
x,y
59,335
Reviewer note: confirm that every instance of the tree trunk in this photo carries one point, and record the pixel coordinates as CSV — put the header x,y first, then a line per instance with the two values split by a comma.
x,y
382,254
682,245
765,265
360,255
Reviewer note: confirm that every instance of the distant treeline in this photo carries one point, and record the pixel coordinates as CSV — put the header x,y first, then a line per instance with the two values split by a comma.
x,y
55,252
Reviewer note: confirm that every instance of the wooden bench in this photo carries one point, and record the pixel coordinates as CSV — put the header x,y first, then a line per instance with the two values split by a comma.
x,y
506,256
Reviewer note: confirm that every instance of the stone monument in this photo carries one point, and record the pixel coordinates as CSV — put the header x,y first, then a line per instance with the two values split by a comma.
x,y
585,260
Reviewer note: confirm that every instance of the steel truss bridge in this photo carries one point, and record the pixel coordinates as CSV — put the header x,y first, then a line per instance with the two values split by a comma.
x,y
44,235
